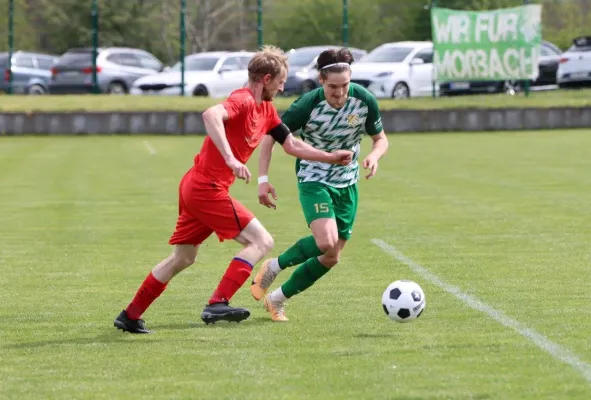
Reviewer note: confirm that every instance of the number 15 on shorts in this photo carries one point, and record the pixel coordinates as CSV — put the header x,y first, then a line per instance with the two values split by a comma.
x,y
321,208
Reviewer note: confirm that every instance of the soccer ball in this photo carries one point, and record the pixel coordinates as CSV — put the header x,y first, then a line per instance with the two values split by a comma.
x,y
403,301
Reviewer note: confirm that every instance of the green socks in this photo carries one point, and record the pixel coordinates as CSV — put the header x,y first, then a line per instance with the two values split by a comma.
x,y
302,250
304,277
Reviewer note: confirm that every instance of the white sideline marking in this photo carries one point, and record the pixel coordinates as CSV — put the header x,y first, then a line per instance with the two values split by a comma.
x,y
554,349
149,147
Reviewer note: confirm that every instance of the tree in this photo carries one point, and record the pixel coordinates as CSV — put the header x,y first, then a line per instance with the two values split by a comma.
x,y
562,21
54,26
210,20
25,37
319,22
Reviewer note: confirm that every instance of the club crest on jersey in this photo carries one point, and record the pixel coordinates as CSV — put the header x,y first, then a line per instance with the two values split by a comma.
x,y
353,120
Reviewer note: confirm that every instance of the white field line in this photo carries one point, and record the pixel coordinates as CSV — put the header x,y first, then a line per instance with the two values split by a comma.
x,y
149,147
554,349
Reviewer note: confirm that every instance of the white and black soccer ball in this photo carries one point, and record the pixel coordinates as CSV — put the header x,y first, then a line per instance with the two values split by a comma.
x,y
403,301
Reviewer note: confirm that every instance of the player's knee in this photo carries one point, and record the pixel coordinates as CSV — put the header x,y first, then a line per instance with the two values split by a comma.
x,y
331,258
326,244
184,260
265,243
182,257
189,260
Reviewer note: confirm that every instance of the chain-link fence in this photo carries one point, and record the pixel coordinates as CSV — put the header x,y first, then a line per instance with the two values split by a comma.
x,y
158,27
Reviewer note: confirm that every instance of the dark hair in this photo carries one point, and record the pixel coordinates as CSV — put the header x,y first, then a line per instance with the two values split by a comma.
x,y
333,56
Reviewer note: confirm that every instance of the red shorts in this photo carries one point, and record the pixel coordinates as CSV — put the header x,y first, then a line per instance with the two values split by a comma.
x,y
205,209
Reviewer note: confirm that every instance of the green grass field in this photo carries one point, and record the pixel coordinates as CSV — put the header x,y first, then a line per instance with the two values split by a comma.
x,y
557,98
503,217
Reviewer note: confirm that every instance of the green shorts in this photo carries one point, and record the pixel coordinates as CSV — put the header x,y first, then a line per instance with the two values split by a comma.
x,y
322,201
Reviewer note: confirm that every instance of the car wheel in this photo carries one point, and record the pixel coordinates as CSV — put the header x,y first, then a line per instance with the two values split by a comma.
x,y
509,88
308,86
400,91
200,91
116,88
519,86
37,90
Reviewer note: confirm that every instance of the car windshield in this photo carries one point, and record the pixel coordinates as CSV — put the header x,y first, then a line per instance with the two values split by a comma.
x,y
302,58
3,60
390,54
581,44
197,64
579,49
548,51
76,59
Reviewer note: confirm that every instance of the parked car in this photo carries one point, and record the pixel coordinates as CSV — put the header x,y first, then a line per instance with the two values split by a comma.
x,y
30,72
398,70
214,74
550,56
117,68
303,75
575,64
548,62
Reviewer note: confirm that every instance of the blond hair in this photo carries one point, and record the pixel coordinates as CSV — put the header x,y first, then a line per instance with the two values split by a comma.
x,y
269,60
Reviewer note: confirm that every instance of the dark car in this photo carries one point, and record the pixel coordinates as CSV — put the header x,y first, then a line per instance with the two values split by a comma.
x,y
303,76
547,66
30,72
116,69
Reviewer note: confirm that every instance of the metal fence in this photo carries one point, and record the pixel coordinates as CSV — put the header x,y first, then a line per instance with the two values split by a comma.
x,y
174,28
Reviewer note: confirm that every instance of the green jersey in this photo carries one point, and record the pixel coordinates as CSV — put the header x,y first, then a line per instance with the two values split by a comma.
x,y
330,129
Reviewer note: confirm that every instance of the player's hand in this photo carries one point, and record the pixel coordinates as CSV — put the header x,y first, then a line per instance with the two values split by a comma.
x,y
264,190
370,163
342,157
240,170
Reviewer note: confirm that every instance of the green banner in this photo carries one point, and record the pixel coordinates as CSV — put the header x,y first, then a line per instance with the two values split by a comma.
x,y
495,45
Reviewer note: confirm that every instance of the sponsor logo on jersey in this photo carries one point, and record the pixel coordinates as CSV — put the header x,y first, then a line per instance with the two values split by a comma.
x,y
353,120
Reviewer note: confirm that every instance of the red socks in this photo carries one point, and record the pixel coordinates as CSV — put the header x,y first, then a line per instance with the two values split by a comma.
x,y
146,294
235,276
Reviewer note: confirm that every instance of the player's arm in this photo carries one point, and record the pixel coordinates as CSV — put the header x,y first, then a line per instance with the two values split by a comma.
x,y
265,187
379,147
296,148
268,143
303,150
213,119
265,154
374,127
294,119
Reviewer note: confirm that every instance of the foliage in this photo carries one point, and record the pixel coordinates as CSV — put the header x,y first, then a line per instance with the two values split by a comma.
x,y
53,26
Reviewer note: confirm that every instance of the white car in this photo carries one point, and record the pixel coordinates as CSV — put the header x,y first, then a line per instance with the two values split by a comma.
x,y
575,63
398,70
214,74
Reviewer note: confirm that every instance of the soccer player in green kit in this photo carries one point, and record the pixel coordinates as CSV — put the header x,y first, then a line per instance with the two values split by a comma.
x,y
334,116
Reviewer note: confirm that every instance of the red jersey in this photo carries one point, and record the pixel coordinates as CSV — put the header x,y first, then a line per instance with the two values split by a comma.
x,y
245,127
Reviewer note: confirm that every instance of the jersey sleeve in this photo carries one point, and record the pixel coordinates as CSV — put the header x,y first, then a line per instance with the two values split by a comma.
x,y
298,114
373,122
234,105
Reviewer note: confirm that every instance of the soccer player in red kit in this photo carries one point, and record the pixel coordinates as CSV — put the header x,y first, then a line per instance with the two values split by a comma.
x,y
234,129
